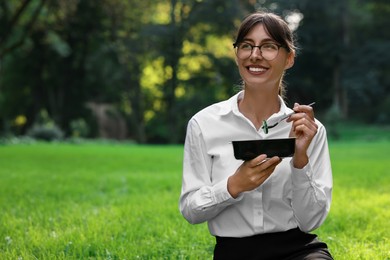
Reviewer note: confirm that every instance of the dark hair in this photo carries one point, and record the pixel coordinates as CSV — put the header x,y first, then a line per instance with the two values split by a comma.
x,y
275,26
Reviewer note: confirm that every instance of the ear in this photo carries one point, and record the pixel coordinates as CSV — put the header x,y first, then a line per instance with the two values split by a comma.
x,y
290,60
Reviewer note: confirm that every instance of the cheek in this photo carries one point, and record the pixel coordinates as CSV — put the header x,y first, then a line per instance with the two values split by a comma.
x,y
241,69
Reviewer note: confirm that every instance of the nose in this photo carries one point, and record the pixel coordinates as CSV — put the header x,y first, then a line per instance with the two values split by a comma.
x,y
256,52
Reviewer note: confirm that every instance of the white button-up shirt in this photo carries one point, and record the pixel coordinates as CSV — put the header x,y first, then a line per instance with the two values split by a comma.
x,y
289,198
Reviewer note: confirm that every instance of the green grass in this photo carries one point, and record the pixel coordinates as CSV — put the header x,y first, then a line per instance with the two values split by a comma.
x,y
358,226
101,201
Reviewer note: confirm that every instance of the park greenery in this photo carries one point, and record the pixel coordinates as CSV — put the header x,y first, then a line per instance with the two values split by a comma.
x,y
153,64
146,67
117,200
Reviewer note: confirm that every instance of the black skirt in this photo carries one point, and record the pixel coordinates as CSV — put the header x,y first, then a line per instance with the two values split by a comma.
x,y
287,245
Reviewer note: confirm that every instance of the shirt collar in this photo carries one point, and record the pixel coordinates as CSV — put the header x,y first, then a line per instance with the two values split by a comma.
x,y
231,106
284,110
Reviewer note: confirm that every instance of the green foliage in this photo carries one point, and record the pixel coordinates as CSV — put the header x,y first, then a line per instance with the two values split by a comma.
x,y
357,132
45,128
332,121
154,59
45,132
102,201
79,128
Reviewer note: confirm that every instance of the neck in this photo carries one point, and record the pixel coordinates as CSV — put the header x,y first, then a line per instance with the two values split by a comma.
x,y
258,106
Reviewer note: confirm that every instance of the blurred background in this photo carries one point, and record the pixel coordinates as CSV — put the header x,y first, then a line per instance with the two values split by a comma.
x,y
138,70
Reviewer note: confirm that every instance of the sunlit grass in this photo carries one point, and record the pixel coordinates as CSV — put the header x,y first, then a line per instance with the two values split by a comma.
x,y
98,201
358,226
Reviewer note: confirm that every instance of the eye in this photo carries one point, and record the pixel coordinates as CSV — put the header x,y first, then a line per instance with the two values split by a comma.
x,y
270,46
245,46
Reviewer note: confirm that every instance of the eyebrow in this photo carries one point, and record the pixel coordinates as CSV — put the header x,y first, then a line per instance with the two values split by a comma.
x,y
262,41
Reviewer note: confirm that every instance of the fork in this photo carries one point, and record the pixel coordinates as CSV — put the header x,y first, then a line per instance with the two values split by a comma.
x,y
266,127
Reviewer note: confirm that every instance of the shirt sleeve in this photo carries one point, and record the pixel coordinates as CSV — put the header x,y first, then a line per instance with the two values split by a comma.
x,y
200,199
312,185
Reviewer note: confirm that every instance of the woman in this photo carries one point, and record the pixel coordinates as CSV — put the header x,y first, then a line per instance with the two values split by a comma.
x,y
265,207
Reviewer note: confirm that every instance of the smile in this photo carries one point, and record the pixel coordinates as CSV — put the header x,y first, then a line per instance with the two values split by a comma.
x,y
256,69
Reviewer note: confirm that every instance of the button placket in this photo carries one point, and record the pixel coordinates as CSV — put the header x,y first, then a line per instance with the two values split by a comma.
x,y
258,215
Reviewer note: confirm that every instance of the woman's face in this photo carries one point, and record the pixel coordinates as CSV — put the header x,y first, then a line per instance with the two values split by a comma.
x,y
258,72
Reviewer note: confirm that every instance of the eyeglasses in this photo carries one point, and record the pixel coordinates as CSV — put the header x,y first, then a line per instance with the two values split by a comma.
x,y
268,50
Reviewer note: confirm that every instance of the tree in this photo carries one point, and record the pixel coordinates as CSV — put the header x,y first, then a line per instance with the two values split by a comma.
x,y
12,26
366,67
330,66
130,48
14,32
159,62
189,22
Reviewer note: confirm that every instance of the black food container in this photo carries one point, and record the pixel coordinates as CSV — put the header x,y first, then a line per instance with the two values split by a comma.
x,y
248,149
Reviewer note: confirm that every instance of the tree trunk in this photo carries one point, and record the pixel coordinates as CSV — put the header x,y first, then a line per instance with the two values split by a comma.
x,y
173,61
136,102
340,92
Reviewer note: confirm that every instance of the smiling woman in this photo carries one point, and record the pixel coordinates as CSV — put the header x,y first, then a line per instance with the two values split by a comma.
x,y
257,207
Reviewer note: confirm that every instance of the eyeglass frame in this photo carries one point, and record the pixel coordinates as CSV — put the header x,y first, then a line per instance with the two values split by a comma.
x,y
236,45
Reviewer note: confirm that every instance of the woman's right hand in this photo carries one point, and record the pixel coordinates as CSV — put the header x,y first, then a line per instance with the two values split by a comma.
x,y
251,174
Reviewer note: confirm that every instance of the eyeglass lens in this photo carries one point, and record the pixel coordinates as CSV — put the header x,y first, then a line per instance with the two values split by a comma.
x,y
269,51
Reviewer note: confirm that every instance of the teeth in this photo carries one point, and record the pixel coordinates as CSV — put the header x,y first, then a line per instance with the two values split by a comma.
x,y
256,69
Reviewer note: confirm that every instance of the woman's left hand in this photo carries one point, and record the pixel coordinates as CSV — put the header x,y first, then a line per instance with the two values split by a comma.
x,y
304,128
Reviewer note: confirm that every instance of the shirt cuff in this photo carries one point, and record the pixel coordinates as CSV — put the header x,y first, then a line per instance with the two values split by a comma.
x,y
301,178
221,193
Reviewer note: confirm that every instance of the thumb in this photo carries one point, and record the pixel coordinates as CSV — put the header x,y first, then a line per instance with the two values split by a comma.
x,y
295,106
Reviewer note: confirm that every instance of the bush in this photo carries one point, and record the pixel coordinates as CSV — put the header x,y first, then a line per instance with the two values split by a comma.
x,y
47,132
79,128
45,128
6,140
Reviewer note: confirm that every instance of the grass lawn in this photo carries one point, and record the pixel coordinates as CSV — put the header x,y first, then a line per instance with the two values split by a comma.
x,y
120,201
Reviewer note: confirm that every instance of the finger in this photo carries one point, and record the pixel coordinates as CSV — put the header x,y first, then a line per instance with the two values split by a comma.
x,y
304,129
299,115
304,109
271,163
297,107
308,122
266,169
266,172
303,118
258,160
263,161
